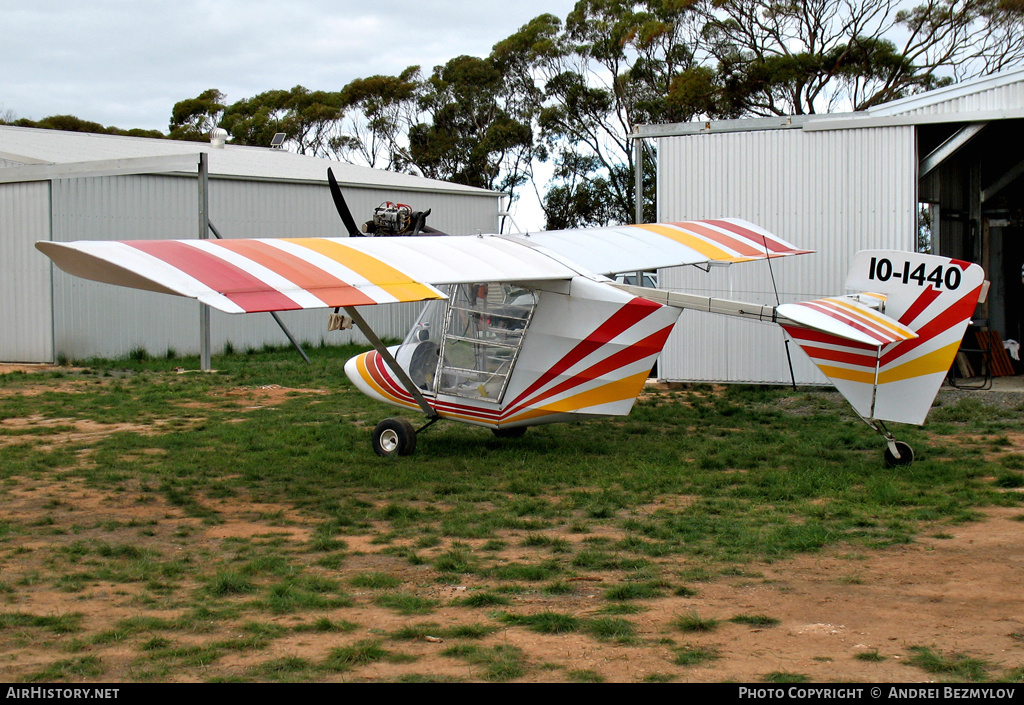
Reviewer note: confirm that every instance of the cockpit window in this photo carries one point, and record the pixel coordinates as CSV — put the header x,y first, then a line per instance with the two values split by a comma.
x,y
484,330
421,350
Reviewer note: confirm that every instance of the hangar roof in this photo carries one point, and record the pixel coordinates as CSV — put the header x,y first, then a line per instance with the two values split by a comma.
x,y
54,150
998,91
999,96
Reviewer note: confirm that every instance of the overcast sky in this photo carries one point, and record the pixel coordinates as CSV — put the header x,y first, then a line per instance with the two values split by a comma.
x,y
126,63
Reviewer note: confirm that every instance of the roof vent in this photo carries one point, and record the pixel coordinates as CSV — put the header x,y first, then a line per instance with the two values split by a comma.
x,y
218,137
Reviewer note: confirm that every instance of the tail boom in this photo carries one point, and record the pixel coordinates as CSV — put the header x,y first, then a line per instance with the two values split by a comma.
x,y
888,349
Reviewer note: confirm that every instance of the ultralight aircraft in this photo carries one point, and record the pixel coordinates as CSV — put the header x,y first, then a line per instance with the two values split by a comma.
x,y
528,329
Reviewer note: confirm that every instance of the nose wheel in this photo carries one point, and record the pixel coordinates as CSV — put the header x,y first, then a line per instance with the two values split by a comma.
x,y
394,437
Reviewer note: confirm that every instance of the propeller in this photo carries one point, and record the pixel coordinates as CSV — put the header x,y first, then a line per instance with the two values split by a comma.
x,y
339,203
419,226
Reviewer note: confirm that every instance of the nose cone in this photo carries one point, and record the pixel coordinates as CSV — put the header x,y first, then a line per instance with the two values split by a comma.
x,y
357,370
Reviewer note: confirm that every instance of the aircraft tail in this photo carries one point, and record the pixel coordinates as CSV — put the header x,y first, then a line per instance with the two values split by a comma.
x,y
888,349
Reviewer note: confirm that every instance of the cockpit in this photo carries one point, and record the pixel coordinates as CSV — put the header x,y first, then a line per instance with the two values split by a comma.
x,y
467,345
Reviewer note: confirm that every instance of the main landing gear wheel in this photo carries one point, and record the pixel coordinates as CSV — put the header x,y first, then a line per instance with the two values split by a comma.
x,y
517,432
906,455
394,437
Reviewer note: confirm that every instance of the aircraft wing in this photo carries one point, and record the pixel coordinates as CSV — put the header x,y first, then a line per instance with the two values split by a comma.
x,y
249,276
632,248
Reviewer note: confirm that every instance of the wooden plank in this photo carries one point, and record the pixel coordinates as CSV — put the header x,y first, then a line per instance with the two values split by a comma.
x,y
999,359
964,366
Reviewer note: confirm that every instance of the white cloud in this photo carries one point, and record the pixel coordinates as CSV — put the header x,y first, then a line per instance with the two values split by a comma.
x,y
126,63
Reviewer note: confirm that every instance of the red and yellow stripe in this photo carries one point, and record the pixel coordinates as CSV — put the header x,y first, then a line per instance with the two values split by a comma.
x,y
539,400
259,276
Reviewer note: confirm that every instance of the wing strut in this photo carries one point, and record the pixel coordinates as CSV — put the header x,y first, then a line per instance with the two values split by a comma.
x,y
382,350
778,302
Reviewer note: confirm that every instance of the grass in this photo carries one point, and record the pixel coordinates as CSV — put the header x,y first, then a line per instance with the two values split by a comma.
x,y
61,624
69,670
375,581
951,666
695,655
612,629
231,513
545,622
785,677
406,603
694,623
634,591
755,620
495,664
349,657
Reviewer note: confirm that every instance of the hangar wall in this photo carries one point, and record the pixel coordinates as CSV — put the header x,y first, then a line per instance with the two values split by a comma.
x,y
833,191
91,319
26,323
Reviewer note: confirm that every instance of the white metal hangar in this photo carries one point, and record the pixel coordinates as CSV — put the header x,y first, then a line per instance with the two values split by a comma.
x,y
66,186
837,184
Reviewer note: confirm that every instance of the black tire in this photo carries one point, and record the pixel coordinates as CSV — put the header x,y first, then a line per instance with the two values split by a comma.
x,y
906,456
516,432
394,437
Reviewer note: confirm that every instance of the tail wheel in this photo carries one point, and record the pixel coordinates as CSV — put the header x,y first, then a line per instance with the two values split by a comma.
x,y
906,455
394,437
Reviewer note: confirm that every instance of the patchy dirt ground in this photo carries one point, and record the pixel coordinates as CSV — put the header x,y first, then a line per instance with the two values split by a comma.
x,y
956,592
954,595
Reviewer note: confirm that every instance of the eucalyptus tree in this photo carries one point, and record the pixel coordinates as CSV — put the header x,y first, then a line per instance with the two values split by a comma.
x,y
472,131
254,121
193,118
380,110
615,64
310,120
814,56
612,66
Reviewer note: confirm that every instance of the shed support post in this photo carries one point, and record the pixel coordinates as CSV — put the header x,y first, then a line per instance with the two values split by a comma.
x,y
638,171
204,234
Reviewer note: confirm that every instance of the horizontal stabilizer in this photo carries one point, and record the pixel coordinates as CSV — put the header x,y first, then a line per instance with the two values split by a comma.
x,y
846,317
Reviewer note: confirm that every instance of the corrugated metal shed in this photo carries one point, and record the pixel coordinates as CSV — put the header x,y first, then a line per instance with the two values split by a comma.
x,y
811,188
253,193
25,316
833,183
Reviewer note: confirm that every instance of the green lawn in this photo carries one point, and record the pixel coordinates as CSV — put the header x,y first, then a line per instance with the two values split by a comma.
x,y
712,480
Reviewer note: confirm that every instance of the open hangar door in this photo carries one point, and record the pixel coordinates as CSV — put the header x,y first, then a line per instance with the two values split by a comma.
x,y
976,199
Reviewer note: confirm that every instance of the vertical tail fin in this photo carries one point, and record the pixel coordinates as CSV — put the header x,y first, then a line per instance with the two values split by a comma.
x,y
889,350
